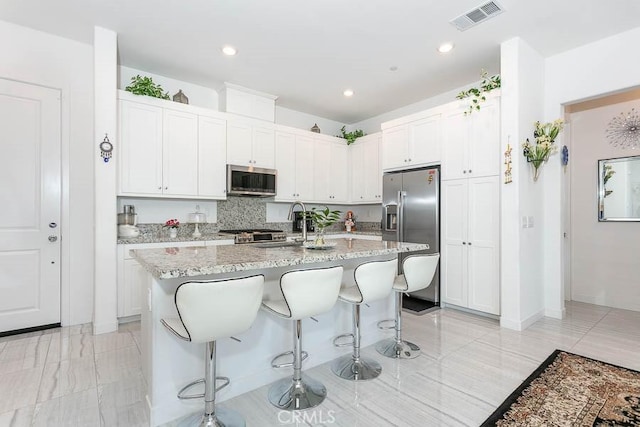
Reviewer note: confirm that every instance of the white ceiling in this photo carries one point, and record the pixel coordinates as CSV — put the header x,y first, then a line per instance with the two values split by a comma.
x,y
307,52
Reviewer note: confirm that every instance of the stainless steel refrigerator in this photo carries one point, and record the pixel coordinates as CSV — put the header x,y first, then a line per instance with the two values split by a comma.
x,y
411,213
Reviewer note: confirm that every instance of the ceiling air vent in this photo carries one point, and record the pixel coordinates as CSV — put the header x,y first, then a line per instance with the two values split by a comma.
x,y
477,15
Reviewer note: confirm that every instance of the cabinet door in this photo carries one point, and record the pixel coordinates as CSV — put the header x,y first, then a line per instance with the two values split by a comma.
x,y
484,141
338,173
483,244
425,140
212,157
239,141
372,172
322,170
264,147
141,148
286,166
453,248
134,279
357,169
455,137
180,154
395,142
304,167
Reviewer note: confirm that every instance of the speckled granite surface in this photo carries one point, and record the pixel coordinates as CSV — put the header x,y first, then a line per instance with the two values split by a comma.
x,y
186,262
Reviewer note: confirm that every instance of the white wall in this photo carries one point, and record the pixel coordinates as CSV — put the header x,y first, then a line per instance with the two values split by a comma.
x,y
521,248
596,69
605,267
296,119
35,57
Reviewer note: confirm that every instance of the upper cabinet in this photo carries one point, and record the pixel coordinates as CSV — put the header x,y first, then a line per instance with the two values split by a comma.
x,y
294,162
366,173
471,142
412,144
170,152
250,143
331,161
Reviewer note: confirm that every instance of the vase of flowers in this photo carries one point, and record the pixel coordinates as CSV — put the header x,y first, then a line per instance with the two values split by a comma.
x,y
322,218
545,135
172,225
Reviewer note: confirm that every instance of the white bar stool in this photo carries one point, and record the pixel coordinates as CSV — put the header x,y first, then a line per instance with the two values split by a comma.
x,y
306,293
207,311
374,281
418,274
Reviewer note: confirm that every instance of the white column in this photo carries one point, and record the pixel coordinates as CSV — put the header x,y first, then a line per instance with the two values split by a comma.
x,y
105,122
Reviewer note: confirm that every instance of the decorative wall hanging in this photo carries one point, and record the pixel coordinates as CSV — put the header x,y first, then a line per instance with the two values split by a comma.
x,y
538,153
180,97
565,157
507,162
623,131
106,149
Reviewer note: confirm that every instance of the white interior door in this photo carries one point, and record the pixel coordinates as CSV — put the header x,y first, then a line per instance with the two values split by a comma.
x,y
30,200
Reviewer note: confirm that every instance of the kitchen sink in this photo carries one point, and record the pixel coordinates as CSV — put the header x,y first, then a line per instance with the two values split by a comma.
x,y
277,244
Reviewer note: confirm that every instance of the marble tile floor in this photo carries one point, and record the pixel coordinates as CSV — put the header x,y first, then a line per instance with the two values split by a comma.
x,y
468,366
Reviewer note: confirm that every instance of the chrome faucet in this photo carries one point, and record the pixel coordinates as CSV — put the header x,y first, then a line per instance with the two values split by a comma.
x,y
304,218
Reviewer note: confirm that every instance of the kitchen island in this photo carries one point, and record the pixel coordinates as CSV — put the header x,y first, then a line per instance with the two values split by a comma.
x,y
168,363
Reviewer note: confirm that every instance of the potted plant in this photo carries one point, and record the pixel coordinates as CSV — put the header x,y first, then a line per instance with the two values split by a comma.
x,y
350,136
322,218
477,94
538,153
172,224
145,86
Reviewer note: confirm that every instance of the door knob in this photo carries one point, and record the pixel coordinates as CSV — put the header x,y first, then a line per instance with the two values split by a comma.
x,y
53,238
52,225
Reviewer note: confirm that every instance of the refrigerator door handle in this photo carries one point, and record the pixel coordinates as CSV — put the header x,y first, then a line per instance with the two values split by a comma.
x,y
400,230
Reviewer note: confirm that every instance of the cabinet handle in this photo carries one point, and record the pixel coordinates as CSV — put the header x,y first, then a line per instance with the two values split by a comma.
x,y
469,170
361,197
464,243
469,243
464,171
409,159
166,188
160,188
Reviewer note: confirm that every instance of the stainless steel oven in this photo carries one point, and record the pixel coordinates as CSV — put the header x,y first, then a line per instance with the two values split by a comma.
x,y
251,181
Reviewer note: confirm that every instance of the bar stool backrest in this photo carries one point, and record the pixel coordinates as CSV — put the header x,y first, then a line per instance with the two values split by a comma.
x,y
215,309
375,279
311,292
419,271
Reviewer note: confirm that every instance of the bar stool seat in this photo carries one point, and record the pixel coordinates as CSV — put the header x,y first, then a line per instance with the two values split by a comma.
x,y
373,282
208,311
418,274
306,293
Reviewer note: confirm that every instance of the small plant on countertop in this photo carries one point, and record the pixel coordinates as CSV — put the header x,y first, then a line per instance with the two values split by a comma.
x,y
477,95
322,218
350,136
145,86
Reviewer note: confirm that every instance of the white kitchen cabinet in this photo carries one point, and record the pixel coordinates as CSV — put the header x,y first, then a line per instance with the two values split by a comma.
x,y
250,143
471,142
140,160
170,151
131,275
294,162
414,144
212,157
470,243
366,175
179,153
331,162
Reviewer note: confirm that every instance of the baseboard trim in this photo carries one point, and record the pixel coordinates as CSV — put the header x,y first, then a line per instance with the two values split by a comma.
x,y
521,325
104,328
556,314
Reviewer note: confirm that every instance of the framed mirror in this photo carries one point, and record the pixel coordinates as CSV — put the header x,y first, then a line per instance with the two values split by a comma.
x,y
619,189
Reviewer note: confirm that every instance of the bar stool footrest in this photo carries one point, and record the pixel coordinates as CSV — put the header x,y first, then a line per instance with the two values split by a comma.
x,y
384,324
275,364
344,344
183,396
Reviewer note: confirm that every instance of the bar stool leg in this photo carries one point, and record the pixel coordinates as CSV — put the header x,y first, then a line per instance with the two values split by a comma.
x,y
300,391
353,366
396,347
213,417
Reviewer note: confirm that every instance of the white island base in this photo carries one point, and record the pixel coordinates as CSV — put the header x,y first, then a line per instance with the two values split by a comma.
x,y
169,363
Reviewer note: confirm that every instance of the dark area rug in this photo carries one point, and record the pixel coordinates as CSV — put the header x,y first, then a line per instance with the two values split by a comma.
x,y
417,305
571,390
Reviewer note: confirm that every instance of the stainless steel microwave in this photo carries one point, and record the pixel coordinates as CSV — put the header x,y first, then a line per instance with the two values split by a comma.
x,y
251,181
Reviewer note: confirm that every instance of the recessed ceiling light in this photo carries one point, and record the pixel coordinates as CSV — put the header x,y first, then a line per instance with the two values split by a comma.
x,y
445,47
393,68
348,93
229,50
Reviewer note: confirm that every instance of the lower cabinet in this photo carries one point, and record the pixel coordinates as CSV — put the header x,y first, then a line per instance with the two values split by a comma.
x,y
132,276
470,253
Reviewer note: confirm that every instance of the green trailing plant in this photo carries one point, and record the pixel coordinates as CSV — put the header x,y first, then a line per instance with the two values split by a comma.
x,y
145,86
350,136
477,94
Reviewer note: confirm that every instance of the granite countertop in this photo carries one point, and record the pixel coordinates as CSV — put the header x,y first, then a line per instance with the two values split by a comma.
x,y
191,261
155,238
